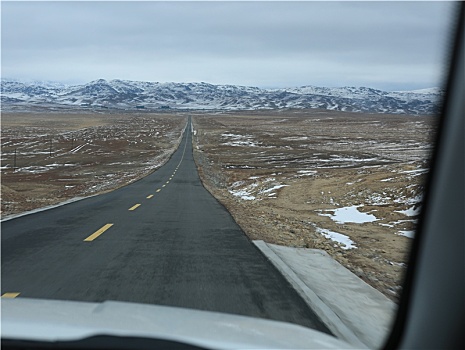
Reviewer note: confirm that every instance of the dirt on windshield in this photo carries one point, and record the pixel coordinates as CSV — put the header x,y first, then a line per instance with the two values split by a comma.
x,y
350,184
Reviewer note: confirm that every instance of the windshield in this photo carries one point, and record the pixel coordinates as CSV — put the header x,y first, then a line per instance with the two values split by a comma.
x,y
262,159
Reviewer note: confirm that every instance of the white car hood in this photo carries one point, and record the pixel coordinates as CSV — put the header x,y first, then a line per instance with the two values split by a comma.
x,y
55,320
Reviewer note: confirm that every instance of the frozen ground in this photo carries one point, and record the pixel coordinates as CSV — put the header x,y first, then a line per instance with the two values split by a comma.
x,y
348,183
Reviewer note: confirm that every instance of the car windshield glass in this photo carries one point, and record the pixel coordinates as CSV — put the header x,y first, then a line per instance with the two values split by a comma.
x,y
261,159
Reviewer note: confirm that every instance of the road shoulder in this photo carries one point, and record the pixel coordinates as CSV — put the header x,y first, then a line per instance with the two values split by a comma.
x,y
350,308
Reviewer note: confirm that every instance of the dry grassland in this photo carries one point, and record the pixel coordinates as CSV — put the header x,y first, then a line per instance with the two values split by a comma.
x,y
60,156
347,183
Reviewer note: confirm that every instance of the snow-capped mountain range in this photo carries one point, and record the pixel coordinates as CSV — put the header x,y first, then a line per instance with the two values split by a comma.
x,y
125,94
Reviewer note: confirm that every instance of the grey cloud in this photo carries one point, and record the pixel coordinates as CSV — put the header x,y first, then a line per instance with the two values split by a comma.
x,y
262,43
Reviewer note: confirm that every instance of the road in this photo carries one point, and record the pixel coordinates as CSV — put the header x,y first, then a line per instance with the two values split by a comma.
x,y
161,240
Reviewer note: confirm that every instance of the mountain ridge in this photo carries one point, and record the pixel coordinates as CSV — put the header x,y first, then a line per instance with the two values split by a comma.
x,y
128,94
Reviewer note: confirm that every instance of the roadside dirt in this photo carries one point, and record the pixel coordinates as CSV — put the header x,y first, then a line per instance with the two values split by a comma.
x,y
347,183
60,156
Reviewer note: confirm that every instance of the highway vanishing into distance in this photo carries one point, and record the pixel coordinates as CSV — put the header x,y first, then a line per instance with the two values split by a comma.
x,y
161,240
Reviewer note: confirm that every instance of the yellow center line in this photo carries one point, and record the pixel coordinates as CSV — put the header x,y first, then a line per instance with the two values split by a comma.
x,y
149,196
10,295
134,207
98,233
158,190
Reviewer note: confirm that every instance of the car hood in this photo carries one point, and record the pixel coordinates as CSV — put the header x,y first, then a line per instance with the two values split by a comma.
x,y
55,320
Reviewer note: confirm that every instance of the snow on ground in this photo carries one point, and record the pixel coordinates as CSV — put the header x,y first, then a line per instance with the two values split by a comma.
x,y
412,211
257,190
409,200
32,169
273,188
243,193
378,199
295,138
343,240
349,214
409,234
241,143
237,140
415,172
306,172
402,221
338,158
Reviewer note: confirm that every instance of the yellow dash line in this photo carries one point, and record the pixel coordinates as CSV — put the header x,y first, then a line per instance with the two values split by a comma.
x,y
134,207
10,295
149,196
98,233
158,190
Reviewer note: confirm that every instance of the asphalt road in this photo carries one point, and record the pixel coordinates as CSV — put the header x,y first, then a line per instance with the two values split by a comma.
x,y
178,246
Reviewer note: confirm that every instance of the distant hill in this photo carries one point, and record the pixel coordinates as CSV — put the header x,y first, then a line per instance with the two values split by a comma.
x,y
124,94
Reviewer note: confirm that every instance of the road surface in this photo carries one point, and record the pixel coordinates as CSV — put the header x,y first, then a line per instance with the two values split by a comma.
x,y
161,240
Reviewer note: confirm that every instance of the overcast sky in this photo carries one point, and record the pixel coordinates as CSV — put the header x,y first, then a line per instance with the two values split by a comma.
x,y
390,46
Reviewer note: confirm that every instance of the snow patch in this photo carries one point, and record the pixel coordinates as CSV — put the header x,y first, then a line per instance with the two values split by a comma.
x,y
307,172
408,234
349,214
273,188
412,211
343,240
